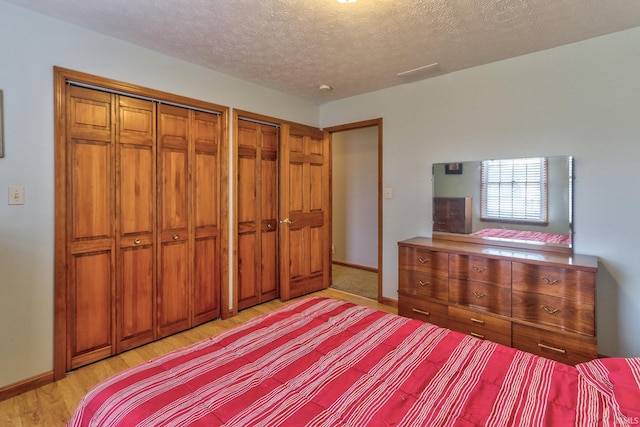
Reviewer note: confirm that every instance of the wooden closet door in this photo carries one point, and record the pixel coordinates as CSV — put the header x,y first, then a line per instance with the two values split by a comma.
x,y
257,213
91,231
206,192
269,280
174,258
305,206
136,205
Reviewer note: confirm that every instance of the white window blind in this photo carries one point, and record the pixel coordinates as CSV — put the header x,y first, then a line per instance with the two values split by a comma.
x,y
514,190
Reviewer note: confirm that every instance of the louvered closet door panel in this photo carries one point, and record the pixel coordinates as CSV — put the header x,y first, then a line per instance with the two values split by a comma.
x,y
174,260
206,284
91,230
136,185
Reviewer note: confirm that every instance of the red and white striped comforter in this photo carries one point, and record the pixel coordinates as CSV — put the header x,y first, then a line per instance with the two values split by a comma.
x,y
531,236
322,362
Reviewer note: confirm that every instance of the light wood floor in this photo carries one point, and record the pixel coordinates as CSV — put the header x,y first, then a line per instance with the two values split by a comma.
x,y
52,405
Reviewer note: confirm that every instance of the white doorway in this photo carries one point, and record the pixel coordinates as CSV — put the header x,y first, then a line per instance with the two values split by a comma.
x,y
356,213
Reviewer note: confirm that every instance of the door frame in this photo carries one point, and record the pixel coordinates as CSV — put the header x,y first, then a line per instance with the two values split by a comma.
x,y
360,125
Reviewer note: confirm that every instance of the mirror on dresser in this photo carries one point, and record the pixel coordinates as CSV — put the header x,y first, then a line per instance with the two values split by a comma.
x,y
521,202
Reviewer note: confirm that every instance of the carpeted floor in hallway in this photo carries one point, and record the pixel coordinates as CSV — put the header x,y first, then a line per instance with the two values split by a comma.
x,y
355,281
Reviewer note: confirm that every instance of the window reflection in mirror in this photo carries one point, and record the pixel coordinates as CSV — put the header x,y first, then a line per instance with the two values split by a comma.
x,y
508,200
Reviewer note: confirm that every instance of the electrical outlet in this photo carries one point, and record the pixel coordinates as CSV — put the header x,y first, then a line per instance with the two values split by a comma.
x,y
16,195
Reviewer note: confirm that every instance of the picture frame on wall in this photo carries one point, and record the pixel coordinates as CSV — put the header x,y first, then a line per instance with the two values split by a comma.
x,y
453,168
1,127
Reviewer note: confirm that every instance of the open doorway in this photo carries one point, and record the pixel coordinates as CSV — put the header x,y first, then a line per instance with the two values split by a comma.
x,y
356,208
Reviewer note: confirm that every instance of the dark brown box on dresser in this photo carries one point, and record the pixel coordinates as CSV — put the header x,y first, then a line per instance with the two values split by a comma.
x,y
452,214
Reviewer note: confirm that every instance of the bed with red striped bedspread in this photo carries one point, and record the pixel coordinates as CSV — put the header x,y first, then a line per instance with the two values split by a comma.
x,y
530,236
323,362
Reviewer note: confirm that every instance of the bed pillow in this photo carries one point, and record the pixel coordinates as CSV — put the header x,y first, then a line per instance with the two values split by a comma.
x,y
619,379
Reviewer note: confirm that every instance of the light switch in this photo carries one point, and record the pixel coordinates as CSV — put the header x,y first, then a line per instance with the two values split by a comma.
x,y
388,193
16,195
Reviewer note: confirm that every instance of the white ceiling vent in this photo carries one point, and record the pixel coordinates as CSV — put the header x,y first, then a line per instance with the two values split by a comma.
x,y
421,73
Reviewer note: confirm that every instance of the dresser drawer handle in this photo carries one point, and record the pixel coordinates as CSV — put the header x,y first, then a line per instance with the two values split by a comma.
x,y
551,281
551,310
423,260
548,347
421,283
476,335
481,322
478,269
426,313
479,295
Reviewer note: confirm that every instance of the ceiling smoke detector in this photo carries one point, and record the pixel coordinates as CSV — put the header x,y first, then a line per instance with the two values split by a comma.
x,y
325,88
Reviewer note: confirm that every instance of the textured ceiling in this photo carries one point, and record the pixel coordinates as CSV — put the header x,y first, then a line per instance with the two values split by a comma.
x,y
294,46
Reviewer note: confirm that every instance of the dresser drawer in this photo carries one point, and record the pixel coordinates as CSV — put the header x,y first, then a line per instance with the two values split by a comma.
x,y
416,282
480,325
566,348
482,296
479,269
553,311
436,263
427,311
576,285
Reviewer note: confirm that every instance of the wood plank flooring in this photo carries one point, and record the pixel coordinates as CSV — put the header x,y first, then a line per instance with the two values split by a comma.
x,y
53,404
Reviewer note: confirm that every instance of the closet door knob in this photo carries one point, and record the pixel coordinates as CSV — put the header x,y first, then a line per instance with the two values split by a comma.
x,y
136,241
175,237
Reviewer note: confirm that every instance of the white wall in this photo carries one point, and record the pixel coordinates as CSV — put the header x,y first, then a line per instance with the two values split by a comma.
x,y
355,196
30,45
581,99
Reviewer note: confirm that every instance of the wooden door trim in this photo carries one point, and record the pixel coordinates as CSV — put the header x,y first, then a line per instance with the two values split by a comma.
x,y
62,76
361,125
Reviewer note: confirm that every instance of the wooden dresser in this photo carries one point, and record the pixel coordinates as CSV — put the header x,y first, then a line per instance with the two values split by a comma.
x,y
452,214
540,302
